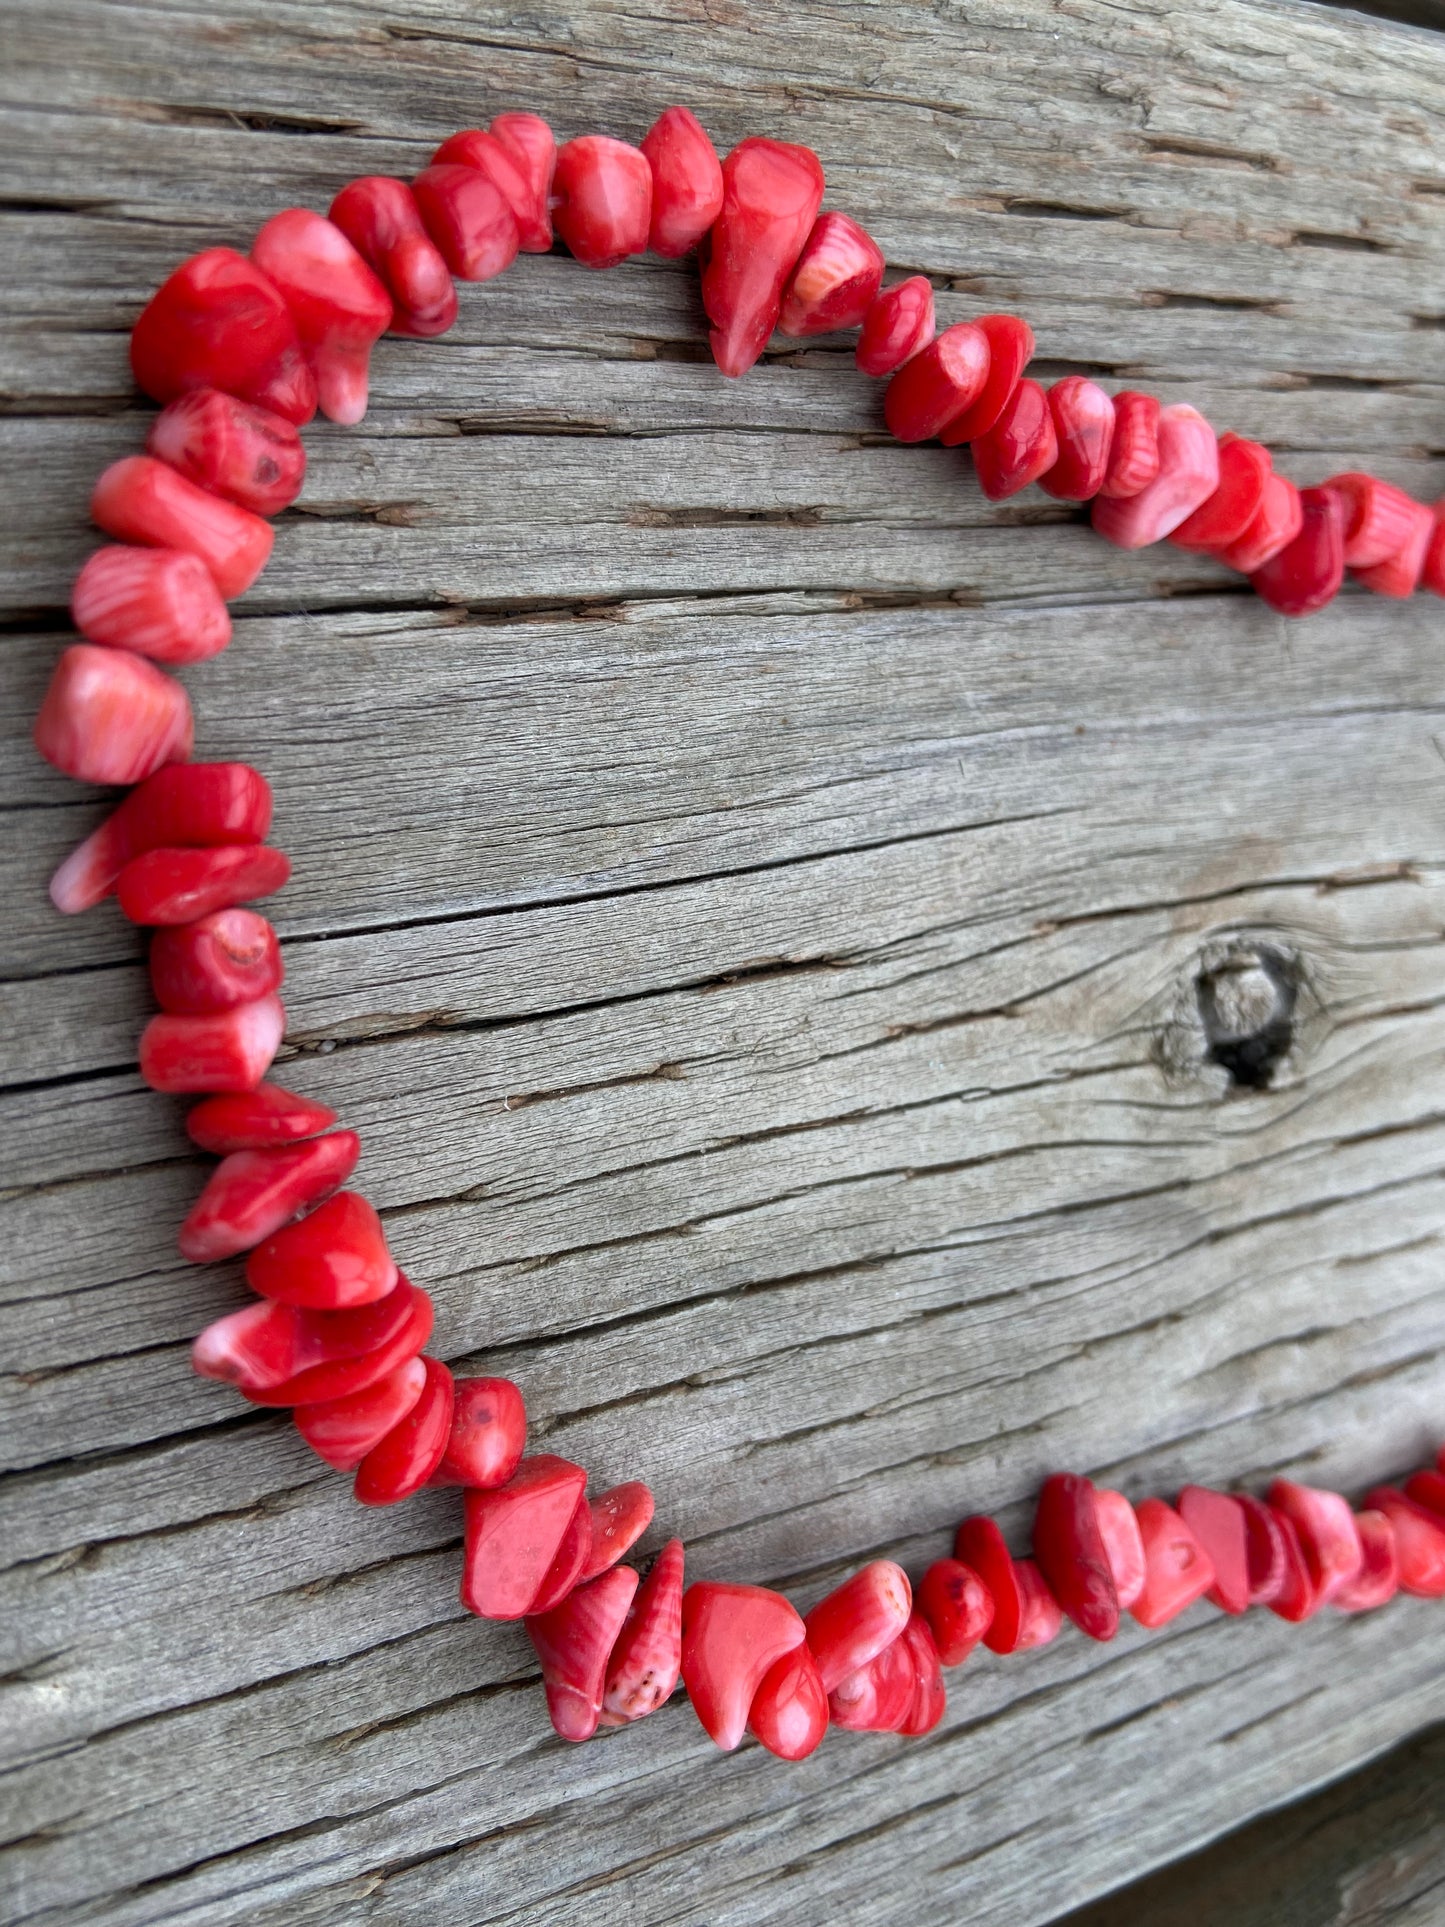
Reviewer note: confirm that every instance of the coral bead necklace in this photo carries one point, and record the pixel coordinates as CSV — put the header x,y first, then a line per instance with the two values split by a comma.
x,y
241,351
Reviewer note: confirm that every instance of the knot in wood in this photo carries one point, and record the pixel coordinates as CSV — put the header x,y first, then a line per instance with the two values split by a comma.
x,y
1247,993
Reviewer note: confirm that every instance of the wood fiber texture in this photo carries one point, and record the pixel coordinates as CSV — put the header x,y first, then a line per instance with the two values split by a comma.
x,y
776,921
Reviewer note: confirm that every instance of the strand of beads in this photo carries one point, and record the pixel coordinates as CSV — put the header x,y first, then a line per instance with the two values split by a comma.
x,y
240,351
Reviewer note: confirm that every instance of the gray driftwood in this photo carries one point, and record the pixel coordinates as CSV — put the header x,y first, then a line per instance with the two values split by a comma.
x,y
797,942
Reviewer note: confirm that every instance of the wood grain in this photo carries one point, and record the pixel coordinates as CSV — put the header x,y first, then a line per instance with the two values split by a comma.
x,y
757,901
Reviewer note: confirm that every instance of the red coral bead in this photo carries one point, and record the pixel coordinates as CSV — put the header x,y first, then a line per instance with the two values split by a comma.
x,y
197,804
1399,573
330,1261
687,182
1419,1541
1432,575
177,886
229,957
937,385
1428,1489
1188,475
855,1621
771,195
1123,1545
1010,345
646,1661
109,716
403,1461
1071,1554
513,1533
345,1377
1217,1522
264,1346
898,325
958,1607
731,1637
139,499
247,454
1298,1597
1378,1579
602,200
618,1518
250,1194
834,280
878,1698
1177,1568
568,1562
380,218
1134,455
488,1435
573,1641
1020,447
1277,522
1083,417
1266,1553
225,1050
1300,578
532,145
930,1696
343,1430
1040,1614
256,1120
339,307
469,219
1223,517
161,603
789,1713
1378,518
979,1543
511,178
219,322
1327,1533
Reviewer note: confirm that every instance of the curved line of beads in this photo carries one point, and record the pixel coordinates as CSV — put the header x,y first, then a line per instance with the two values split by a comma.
x,y
240,350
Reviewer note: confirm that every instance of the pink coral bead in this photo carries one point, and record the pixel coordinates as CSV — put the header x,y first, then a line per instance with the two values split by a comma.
x,y
602,200
897,326
111,717
687,182
161,603
1188,475
835,279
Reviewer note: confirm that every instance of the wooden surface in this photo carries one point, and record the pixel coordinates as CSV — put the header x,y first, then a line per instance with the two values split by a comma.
x,y
779,924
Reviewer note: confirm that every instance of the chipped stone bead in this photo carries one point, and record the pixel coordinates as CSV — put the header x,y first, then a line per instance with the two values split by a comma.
x,y
512,176
1217,1522
1378,517
1297,1598
1071,1554
229,957
789,1713
687,182
161,603
1223,517
1123,1545
854,1622
568,1562
264,1346
109,716
979,1544
878,1697
408,1330
771,195
1020,447
250,1194
1040,1614
1188,475
898,325
1010,347
224,1050
380,218
573,1641
1083,417
247,454
937,384
958,1607
1327,1533
1399,573
834,279
1305,575
339,307
1432,574
646,1661
1276,523
1177,1568
1265,1550
401,1462
343,1430
1134,453
602,200
256,1120
331,1260
1378,1579
929,1700
197,804
731,1637
488,1434
532,145
219,322
469,220
617,1520
1419,1541
513,1533
139,499
176,886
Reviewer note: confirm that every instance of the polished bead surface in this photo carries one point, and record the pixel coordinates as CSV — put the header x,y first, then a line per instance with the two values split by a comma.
x,y
406,1313
937,384
1071,1554
958,1607
1419,1541
1134,452
878,1697
1177,1568
1223,517
469,220
226,958
512,177
168,886
1020,447
731,1636
249,455
1378,1579
1378,517
1083,417
789,1713
929,1700
1265,1550
979,1543
1277,521
402,1462
332,1259
339,306
219,322
568,1562
687,182
858,1619
1328,1536
533,146
1398,574
1010,346
646,1661
197,804
513,1533
109,716
488,1435
161,603
618,1518
380,218
139,499
1188,475
1040,1615
602,200
899,323
1305,575
573,1641
1217,1522
834,279
256,1120
1123,1545
1297,1598
250,1194
343,1430
225,1050
771,195
264,1346
1432,573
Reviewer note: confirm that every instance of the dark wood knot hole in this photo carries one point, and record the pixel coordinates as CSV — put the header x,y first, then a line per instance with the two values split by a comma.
x,y
1247,1008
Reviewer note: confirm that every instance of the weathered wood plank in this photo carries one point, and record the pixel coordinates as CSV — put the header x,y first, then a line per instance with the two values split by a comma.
x,y
750,895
